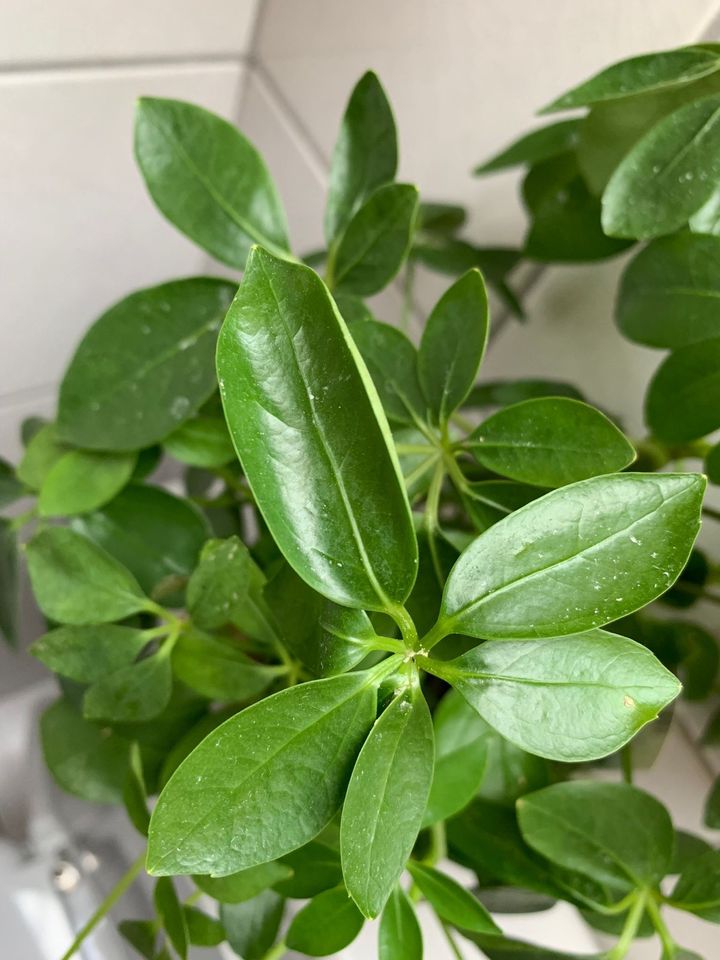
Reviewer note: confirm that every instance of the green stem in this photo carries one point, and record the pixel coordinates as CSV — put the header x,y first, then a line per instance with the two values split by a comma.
x,y
626,762
455,473
451,941
632,923
276,951
406,624
432,507
438,844
120,888
669,945
463,422
23,518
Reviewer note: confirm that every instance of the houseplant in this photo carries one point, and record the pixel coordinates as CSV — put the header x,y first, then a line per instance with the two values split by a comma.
x,y
370,636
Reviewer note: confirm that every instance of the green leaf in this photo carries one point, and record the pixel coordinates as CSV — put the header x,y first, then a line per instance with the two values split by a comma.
x,y
88,653
509,771
393,772
224,810
667,176
365,155
77,582
500,948
707,218
687,847
142,935
440,218
683,400
533,147
11,489
207,179
399,935
557,566
453,344
698,888
201,442
83,758
171,916
307,434
9,583
41,454
156,535
251,927
82,480
651,71
670,292
327,638
135,792
315,867
133,694
218,669
711,815
144,367
488,501
450,901
376,241
391,360
245,884
612,832
712,464
327,924
501,393
593,691
203,930
549,442
460,757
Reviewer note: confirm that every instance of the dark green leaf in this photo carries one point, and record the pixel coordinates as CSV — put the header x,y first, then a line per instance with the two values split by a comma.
x,y
171,916
670,292
9,583
509,771
11,489
451,902
77,582
315,867
135,792
614,833
712,807
393,772
712,464
533,147
683,400
698,889
41,454
245,884
440,218
133,694
399,935
88,653
453,345
203,930
365,155
488,501
207,179
501,393
81,481
223,810
549,442
201,442
218,669
307,434
500,948
376,241
686,590
391,360
84,758
593,691
667,176
251,927
687,847
651,71
325,925
140,934
557,566
144,367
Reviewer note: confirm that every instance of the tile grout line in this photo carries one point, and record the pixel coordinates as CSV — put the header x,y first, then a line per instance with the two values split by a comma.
x,y
88,64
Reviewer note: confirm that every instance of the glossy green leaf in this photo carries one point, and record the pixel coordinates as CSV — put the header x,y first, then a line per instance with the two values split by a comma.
x,y
391,360
567,698
612,832
201,442
393,772
252,926
667,176
698,888
451,902
550,441
82,480
315,867
488,501
171,916
245,884
327,924
376,241
41,454
307,434
670,292
651,71
683,400
365,155
533,147
133,694
453,344
711,816
460,757
84,758
203,930
77,582
155,534
558,565
207,179
222,810
9,583
11,488
712,464
218,669
88,653
399,935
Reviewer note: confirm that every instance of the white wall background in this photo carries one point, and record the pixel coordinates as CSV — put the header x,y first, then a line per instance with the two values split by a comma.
x,y
77,230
